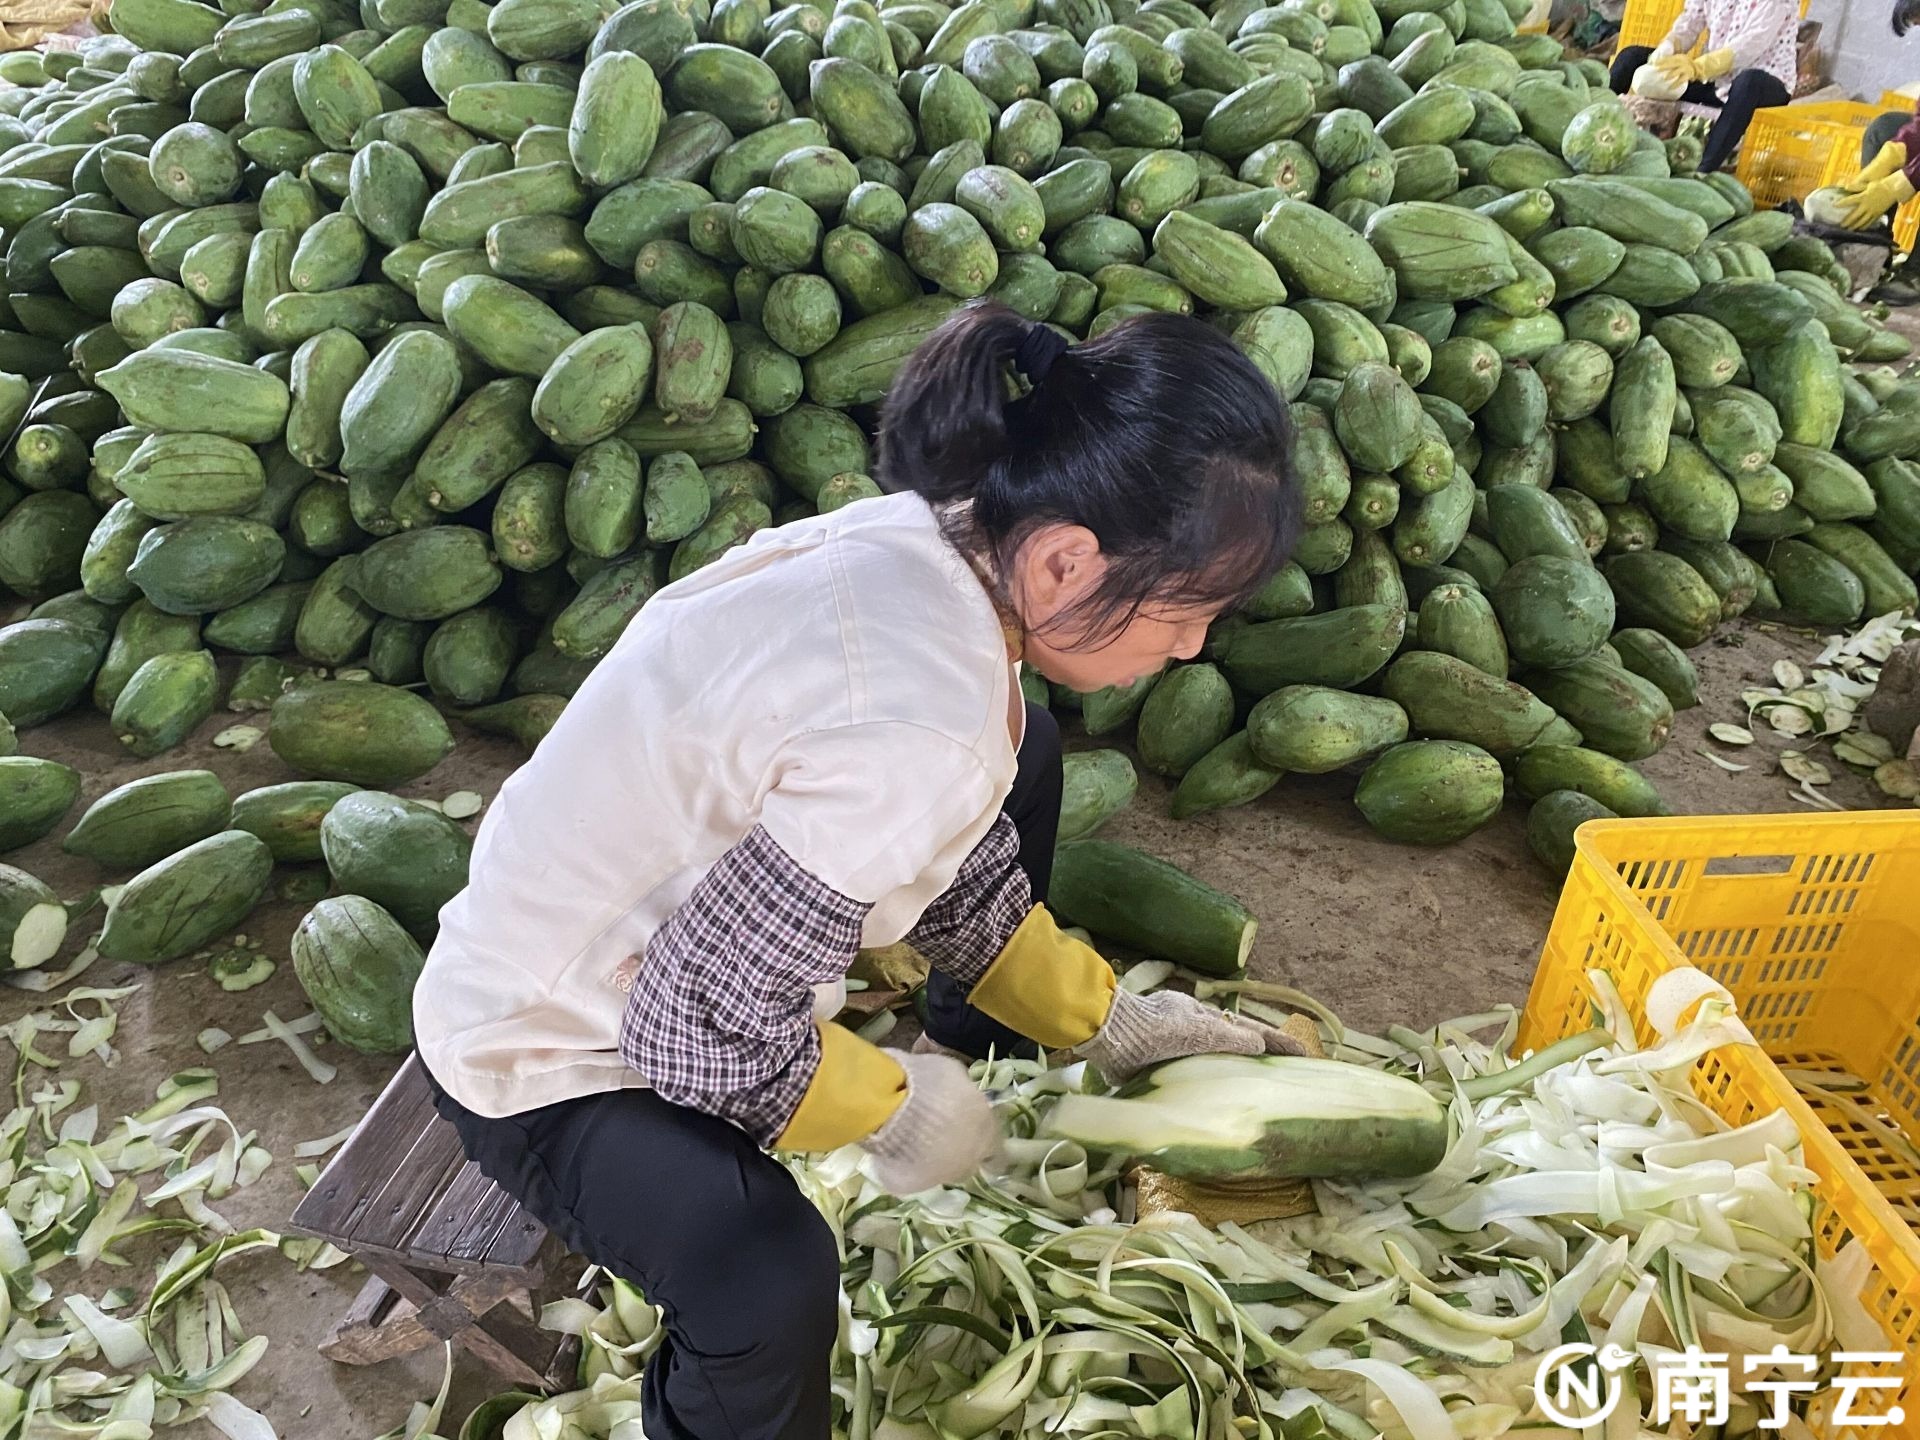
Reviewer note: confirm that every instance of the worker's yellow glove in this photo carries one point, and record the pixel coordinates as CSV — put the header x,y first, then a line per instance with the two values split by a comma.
x,y
856,1090
1892,157
1050,987
1059,991
1678,71
1713,64
1877,199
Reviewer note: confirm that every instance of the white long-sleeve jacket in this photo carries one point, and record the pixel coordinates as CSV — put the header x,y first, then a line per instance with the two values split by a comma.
x,y
1761,33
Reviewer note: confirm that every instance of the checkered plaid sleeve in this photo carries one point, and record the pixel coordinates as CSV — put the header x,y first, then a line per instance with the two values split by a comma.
x,y
720,1015
966,928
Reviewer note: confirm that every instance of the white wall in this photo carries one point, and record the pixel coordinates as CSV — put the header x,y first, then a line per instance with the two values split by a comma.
x,y
1863,55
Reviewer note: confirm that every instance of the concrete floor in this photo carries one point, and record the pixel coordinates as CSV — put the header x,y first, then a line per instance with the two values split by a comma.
x,y
1382,932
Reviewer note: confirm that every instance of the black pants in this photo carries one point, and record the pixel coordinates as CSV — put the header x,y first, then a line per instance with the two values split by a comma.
x,y
1751,90
707,1225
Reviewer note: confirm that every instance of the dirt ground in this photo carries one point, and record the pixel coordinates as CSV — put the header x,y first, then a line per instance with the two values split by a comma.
x,y
1383,933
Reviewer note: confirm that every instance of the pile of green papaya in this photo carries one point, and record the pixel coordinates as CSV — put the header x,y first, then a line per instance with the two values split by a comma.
x,y
422,341
201,859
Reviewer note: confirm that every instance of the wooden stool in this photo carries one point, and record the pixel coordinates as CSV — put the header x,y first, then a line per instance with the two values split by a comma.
x,y
402,1198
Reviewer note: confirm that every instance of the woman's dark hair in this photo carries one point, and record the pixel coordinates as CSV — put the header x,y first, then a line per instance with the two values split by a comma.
x,y
1906,14
1159,436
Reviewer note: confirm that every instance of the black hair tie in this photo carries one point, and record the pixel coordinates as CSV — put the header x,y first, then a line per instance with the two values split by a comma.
x,y
1038,349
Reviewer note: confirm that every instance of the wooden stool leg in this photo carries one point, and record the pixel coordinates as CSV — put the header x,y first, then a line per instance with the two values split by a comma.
x,y
563,1373
507,1327
380,1324
374,1328
447,1316
567,1276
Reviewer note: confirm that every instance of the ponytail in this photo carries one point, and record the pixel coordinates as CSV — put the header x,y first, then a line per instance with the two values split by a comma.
x,y
946,415
1159,436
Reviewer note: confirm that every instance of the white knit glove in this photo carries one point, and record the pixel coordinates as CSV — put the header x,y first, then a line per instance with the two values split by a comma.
x,y
943,1132
1143,1030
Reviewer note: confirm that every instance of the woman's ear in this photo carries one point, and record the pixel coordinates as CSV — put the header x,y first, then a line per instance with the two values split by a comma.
x,y
1058,564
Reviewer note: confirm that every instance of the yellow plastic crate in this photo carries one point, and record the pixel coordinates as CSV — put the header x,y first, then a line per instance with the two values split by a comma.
x,y
1906,226
1813,924
1646,22
1792,150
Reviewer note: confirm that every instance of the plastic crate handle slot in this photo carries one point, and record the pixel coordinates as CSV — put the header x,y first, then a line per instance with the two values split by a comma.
x,y
1750,866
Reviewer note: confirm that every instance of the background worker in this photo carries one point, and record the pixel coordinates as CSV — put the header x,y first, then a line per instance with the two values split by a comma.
x,y
1885,150
1889,174
1750,63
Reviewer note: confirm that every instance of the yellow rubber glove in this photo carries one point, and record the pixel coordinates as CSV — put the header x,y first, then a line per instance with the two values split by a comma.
x,y
1677,70
1876,200
1892,157
1713,64
856,1090
1047,985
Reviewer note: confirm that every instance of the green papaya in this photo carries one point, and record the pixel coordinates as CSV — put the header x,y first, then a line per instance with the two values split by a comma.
x,y
1313,730
1431,792
1653,656
165,700
1616,711
358,731
1189,712
1339,648
187,899
1448,698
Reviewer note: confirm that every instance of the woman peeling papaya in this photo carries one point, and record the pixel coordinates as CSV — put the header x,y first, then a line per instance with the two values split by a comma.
x,y
819,742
